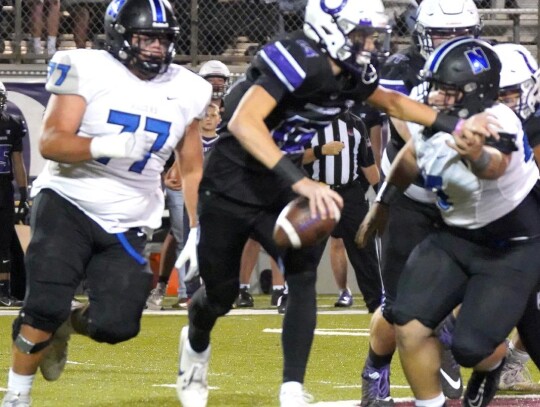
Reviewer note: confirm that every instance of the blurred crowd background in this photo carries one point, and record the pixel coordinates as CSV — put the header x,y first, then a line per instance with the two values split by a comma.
x,y
233,30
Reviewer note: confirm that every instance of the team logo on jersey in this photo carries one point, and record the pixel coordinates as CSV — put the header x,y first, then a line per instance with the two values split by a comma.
x,y
333,6
477,60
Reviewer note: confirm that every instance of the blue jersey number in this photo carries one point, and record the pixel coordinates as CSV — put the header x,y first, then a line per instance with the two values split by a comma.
x,y
130,123
63,68
435,184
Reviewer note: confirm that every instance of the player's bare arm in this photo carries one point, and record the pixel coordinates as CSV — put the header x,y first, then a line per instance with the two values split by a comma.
x,y
247,125
405,108
402,173
59,140
189,154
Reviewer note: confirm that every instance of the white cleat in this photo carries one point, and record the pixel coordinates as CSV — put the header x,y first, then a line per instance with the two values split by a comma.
x,y
12,399
292,394
55,359
192,383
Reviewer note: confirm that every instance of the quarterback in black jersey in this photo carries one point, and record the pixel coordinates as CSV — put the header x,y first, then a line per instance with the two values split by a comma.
x,y
12,132
294,87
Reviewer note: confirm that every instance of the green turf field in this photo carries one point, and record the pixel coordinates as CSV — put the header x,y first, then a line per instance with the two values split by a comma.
x,y
245,368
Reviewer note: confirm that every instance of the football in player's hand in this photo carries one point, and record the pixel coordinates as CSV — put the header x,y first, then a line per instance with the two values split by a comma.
x,y
296,228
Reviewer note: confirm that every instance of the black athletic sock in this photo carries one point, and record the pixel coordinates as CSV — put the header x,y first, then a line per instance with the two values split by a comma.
x,y
202,319
163,280
299,325
378,361
79,320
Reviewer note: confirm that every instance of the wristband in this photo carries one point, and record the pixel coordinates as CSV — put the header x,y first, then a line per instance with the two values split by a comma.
x,y
446,123
387,194
317,152
481,163
23,194
286,170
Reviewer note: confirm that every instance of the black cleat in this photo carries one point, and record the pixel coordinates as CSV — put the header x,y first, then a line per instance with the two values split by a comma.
x,y
275,297
282,304
482,387
450,374
244,299
9,301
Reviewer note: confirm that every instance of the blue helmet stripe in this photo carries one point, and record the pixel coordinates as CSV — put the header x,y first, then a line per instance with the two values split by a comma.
x,y
441,51
527,62
283,65
158,11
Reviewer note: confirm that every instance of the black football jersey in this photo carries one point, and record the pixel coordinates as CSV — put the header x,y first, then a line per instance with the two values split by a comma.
x,y
400,73
309,97
12,131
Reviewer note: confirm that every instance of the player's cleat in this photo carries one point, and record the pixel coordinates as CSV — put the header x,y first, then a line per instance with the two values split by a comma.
x,y
53,363
275,296
244,299
192,383
12,399
282,304
345,299
9,301
482,387
155,299
515,376
182,303
450,374
292,394
376,387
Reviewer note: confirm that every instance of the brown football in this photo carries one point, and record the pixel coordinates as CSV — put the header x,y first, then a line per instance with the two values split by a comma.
x,y
296,228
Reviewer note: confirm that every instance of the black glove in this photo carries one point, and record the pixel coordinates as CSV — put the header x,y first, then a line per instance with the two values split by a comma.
x,y
23,209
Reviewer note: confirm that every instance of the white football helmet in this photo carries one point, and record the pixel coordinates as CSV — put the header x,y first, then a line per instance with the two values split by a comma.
x,y
519,73
216,69
444,20
331,22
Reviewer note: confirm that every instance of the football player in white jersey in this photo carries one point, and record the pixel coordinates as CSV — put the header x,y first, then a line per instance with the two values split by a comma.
x,y
484,255
113,118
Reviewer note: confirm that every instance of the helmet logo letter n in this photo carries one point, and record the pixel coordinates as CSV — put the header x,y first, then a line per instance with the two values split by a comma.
x,y
478,60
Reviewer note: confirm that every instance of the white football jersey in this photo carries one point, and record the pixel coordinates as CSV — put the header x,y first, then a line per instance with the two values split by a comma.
x,y
464,199
118,193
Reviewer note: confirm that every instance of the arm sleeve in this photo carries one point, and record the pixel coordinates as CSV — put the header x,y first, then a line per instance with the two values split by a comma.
x,y
20,133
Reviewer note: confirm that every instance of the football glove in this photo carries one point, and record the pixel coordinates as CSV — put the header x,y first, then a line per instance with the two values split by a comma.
x,y
124,145
23,209
189,252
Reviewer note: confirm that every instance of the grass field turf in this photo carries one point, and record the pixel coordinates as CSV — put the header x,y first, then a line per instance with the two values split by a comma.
x,y
245,369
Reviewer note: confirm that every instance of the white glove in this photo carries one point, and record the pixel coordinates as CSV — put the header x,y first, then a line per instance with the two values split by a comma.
x,y
189,252
124,145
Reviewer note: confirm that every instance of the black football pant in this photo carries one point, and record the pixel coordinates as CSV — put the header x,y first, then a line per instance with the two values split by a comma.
x,y
7,220
365,261
225,226
68,247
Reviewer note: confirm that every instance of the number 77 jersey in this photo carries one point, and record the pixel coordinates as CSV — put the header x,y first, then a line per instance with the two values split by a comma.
x,y
120,193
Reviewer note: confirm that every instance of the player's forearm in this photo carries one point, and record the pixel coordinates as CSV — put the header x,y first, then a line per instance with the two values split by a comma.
x,y
255,138
64,147
489,164
19,170
404,168
190,189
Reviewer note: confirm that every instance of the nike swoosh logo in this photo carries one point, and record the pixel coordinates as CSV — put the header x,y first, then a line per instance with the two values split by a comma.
x,y
171,97
5,261
456,384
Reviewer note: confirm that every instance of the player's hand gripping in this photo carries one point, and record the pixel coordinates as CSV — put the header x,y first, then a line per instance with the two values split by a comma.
x,y
124,145
374,221
189,252
23,209
484,124
322,200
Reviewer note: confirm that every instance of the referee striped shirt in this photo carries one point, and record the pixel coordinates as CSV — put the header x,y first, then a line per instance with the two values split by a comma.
x,y
344,168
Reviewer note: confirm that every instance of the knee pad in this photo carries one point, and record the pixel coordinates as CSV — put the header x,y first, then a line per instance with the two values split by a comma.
x,y
220,298
23,344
